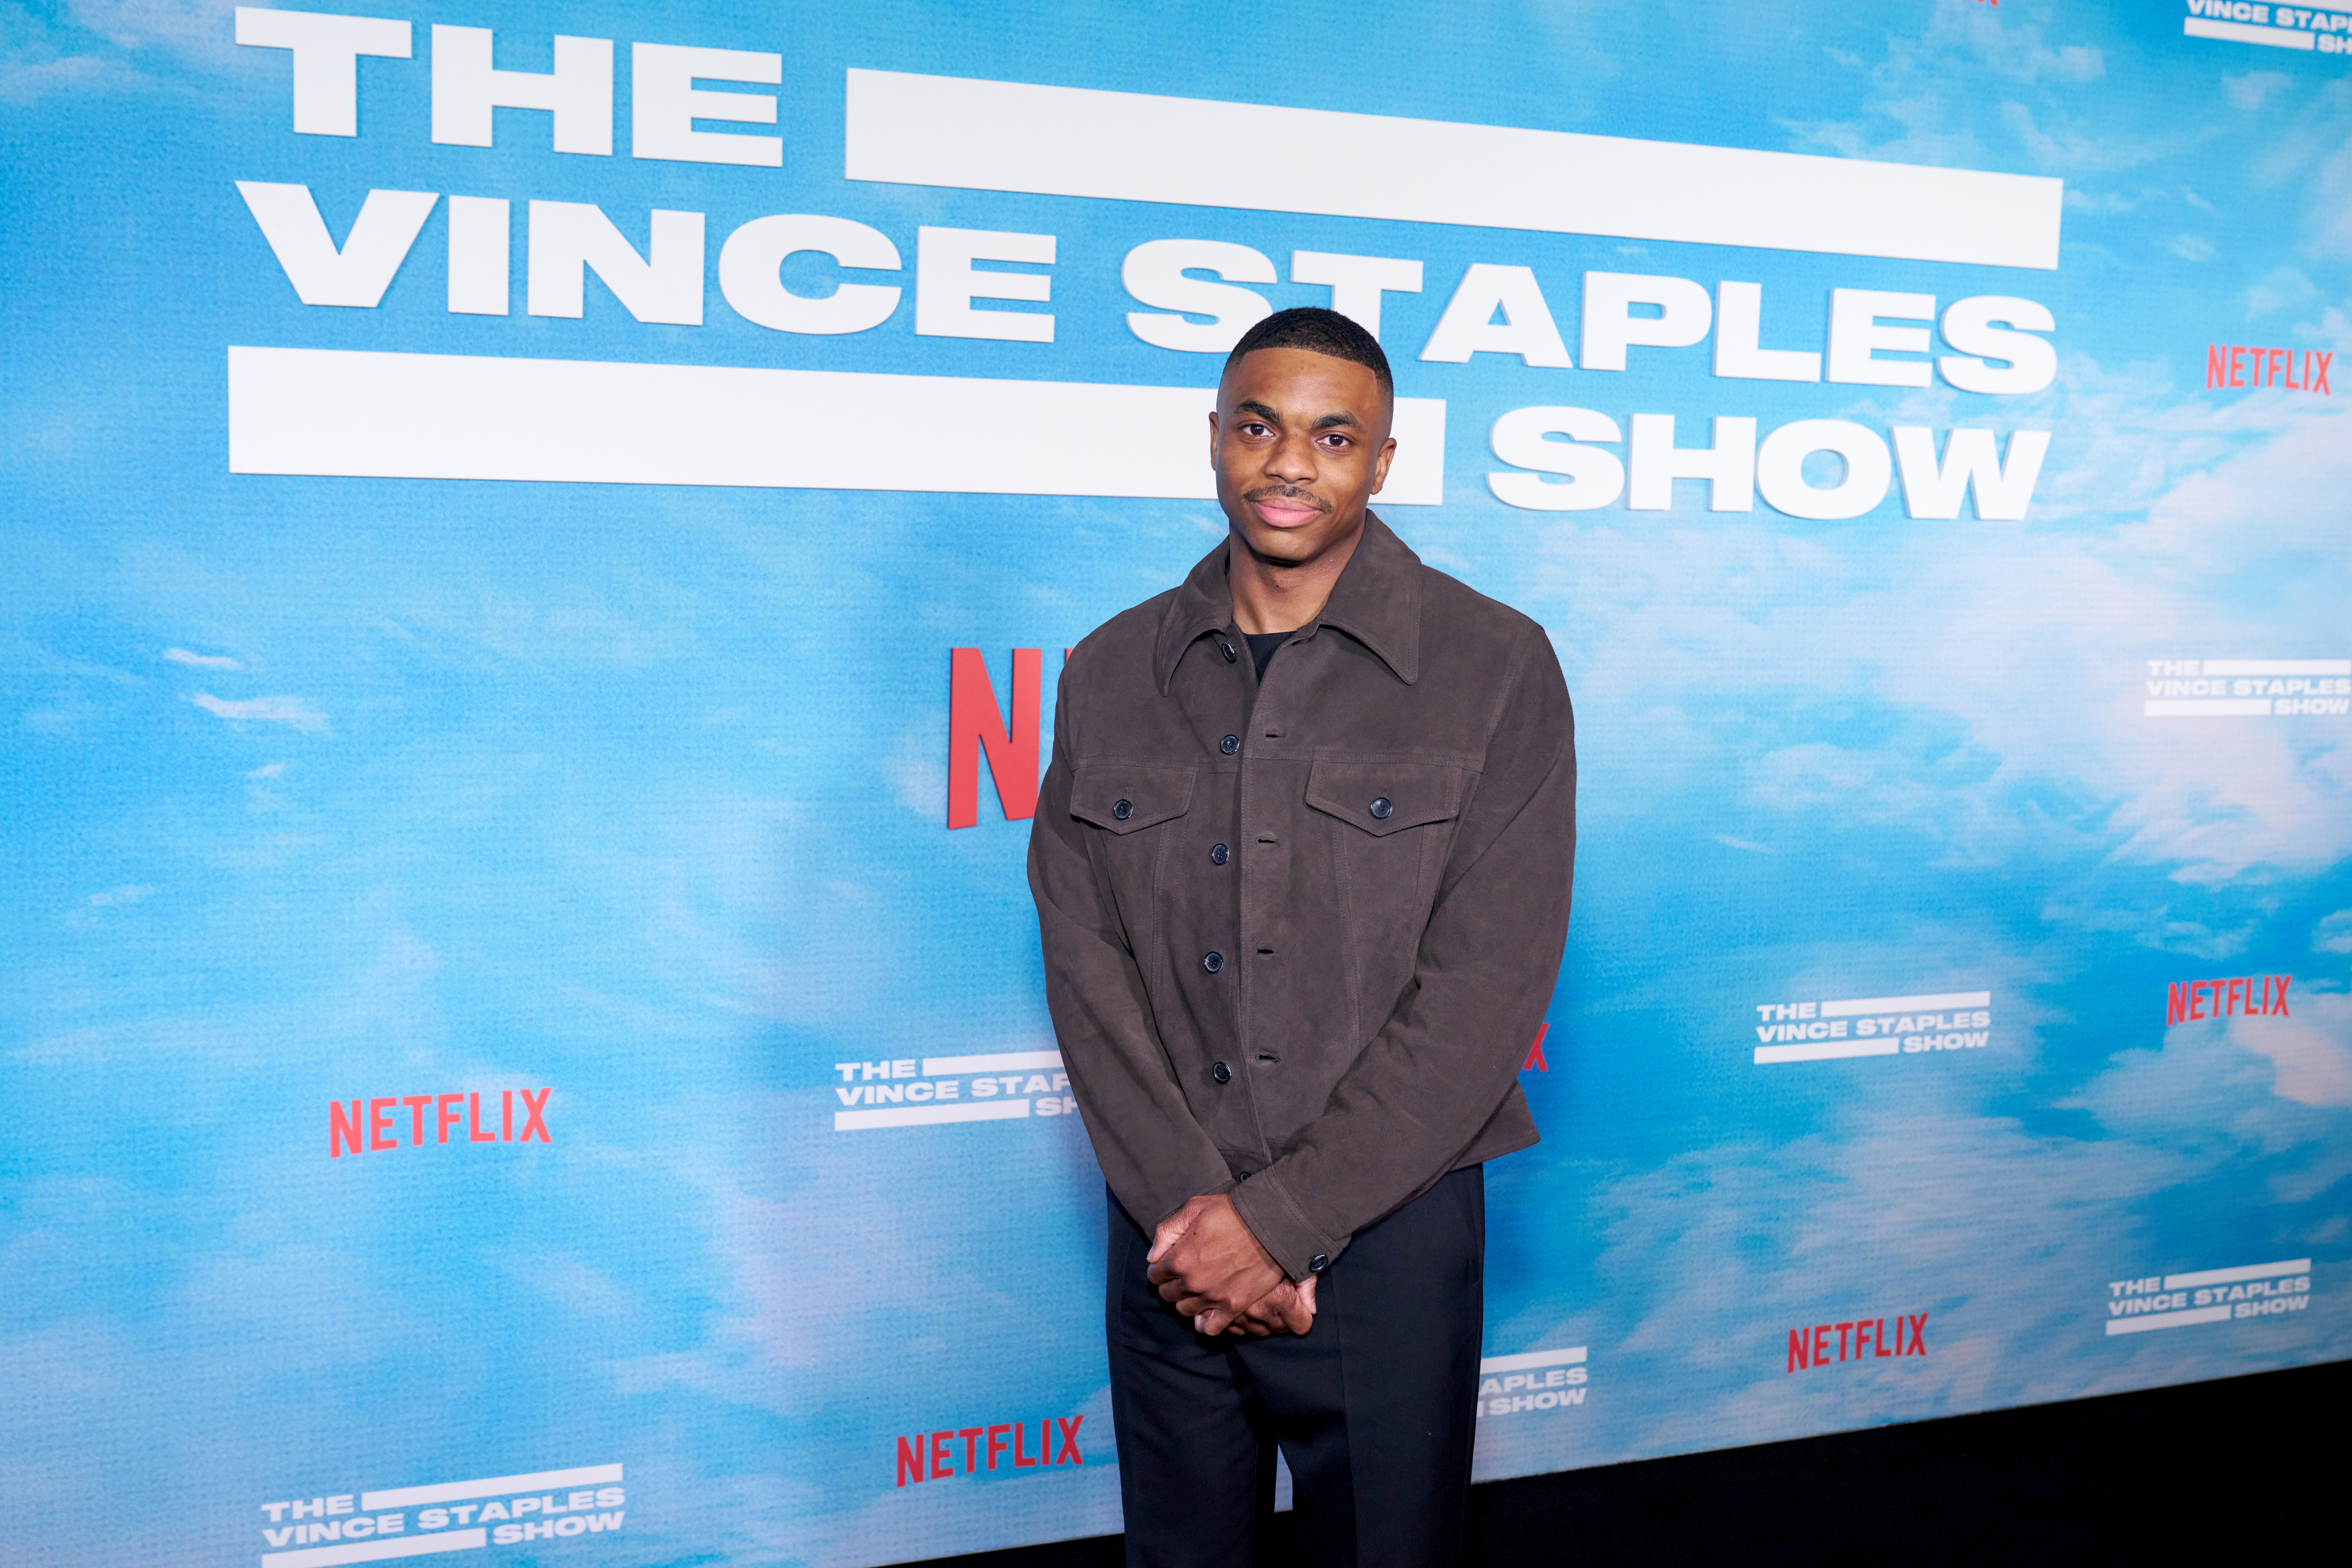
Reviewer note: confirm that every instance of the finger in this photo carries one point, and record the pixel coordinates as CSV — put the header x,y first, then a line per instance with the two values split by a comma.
x,y
1172,1229
1159,1273
1176,1291
1213,1323
1306,1293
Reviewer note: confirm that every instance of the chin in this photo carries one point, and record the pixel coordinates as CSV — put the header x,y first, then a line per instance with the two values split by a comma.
x,y
1277,549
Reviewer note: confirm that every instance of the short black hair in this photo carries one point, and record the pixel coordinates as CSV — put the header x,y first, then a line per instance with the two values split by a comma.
x,y
1318,331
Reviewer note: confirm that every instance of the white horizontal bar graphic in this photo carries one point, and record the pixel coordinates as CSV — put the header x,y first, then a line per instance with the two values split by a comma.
x,y
1528,1360
379,1551
2234,1276
2239,33
1941,1001
1003,1062
1827,1050
450,416
2168,1320
927,1116
1075,141
2278,666
495,1486
2205,707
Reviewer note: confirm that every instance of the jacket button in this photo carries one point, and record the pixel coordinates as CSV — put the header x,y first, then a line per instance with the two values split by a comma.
x,y
1230,654
1219,854
1320,1261
1213,962
1221,1072
1230,745
1123,810
1380,806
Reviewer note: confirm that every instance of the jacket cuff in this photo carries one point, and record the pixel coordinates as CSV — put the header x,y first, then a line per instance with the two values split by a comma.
x,y
1299,1247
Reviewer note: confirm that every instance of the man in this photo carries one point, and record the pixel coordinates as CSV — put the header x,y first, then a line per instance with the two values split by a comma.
x,y
1302,864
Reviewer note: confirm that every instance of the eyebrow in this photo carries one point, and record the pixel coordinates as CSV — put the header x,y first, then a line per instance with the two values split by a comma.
x,y
1329,422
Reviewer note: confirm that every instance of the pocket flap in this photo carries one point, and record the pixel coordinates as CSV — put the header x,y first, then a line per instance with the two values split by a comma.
x,y
1122,796
1383,797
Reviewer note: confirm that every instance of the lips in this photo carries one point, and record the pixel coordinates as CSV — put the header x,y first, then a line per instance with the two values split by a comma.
x,y
1286,514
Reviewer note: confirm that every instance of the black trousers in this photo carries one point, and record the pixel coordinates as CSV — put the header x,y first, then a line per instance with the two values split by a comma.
x,y
1375,1409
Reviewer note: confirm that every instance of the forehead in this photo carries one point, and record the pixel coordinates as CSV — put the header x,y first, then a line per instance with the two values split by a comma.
x,y
1299,383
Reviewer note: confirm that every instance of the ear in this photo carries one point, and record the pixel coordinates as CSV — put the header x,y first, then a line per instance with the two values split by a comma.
x,y
1212,438
1379,464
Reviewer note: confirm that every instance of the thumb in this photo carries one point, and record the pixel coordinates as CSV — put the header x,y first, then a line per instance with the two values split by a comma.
x,y
1306,1293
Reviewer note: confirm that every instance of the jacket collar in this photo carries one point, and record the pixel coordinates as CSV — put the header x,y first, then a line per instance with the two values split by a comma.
x,y
1377,602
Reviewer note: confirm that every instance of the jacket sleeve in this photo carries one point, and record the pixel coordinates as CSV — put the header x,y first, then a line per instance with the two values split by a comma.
x,y
1487,963
1153,1153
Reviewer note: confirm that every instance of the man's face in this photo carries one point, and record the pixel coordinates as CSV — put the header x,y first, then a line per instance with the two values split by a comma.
x,y
1300,443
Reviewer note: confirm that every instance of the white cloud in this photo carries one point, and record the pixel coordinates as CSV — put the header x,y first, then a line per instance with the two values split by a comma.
x,y
136,24
2311,1049
2334,934
29,79
294,712
2284,287
203,660
2246,93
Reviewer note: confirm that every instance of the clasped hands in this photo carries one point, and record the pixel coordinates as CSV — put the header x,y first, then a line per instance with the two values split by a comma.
x,y
1206,1260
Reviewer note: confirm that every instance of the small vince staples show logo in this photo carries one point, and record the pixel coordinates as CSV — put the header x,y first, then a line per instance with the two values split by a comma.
x,y
2246,996
1871,1026
2325,28
452,1118
909,1091
447,1515
2207,1296
1532,1382
1826,1345
2247,688
1052,1440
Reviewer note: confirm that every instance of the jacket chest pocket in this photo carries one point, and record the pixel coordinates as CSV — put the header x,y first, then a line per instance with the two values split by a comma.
x,y
1128,800
1390,827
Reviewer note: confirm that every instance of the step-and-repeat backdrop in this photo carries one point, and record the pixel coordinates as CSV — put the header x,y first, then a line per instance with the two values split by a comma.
x,y
540,537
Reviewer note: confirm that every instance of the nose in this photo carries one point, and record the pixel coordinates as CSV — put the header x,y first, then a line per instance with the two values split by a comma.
x,y
1292,460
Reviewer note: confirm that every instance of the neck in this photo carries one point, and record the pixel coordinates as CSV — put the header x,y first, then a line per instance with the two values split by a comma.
x,y
1272,596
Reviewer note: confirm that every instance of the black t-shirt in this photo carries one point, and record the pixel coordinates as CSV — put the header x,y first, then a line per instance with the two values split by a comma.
x,y
1262,648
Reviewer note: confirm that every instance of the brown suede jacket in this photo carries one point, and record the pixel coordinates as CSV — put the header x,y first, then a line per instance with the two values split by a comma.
x,y
1298,938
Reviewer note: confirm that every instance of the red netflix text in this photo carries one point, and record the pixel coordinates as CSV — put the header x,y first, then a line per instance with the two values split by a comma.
x,y
2190,1000
433,1119
976,725
1810,1347
2236,365
933,1456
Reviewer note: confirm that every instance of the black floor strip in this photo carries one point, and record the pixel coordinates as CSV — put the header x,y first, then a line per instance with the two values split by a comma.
x,y
2239,1467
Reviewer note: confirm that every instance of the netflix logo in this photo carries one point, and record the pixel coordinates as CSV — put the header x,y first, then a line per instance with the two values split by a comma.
x,y
432,1119
2231,365
977,727
1809,1348
933,1456
2248,995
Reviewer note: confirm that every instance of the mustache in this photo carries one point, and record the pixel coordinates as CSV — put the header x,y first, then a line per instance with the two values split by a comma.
x,y
1289,493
